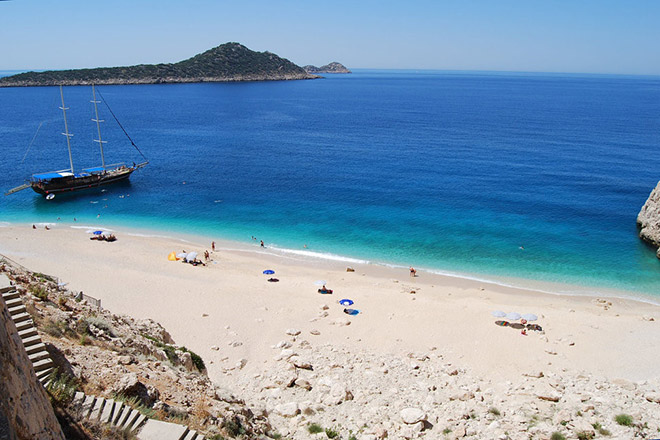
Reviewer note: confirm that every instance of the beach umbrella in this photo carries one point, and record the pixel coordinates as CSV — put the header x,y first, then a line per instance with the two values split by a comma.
x,y
513,316
530,317
346,302
191,256
320,282
172,256
98,232
498,314
181,255
268,272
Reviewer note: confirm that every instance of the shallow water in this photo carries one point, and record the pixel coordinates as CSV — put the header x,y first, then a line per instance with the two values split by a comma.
x,y
499,175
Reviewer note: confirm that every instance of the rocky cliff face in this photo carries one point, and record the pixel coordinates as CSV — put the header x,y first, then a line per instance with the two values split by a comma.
x,y
22,398
648,219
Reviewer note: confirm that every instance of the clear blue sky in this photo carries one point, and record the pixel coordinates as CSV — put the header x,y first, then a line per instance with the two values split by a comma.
x,y
591,36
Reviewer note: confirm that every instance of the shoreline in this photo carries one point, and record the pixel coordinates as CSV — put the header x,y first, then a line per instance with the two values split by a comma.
x,y
228,313
303,256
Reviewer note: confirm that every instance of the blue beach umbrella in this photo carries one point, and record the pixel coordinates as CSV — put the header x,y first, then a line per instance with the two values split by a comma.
x,y
513,316
269,272
346,302
530,317
98,232
498,313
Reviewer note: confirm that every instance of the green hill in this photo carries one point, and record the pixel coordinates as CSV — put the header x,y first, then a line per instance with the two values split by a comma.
x,y
227,62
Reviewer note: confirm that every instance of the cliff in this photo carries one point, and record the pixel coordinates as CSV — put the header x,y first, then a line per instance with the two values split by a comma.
x,y
24,403
333,67
226,63
648,219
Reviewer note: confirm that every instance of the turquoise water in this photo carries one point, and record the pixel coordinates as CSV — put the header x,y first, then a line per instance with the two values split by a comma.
x,y
502,176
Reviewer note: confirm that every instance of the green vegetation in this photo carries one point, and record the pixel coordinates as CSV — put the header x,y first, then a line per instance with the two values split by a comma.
x,y
314,428
170,352
61,388
39,291
494,411
624,420
557,436
230,61
197,360
331,433
234,427
585,435
446,431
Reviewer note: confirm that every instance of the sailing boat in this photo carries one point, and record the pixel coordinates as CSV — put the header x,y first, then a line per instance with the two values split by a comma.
x,y
63,181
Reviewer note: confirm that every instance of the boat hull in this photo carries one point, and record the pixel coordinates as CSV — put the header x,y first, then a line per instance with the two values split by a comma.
x,y
69,184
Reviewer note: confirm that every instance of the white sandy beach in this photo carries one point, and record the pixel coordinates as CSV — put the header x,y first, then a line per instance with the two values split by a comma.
x,y
229,304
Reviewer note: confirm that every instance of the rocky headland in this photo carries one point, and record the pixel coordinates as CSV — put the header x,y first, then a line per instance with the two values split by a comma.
x,y
648,219
333,67
228,62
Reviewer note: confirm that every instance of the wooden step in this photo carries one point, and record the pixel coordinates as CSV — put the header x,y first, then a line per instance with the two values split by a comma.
x,y
120,407
42,364
27,332
31,349
39,355
24,325
15,310
20,317
31,340
13,302
8,291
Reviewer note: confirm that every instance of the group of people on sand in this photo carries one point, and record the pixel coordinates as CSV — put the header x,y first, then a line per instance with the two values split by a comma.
x,y
110,237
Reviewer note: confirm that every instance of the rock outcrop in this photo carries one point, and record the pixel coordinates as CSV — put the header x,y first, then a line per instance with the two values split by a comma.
x,y
333,67
648,219
23,400
226,63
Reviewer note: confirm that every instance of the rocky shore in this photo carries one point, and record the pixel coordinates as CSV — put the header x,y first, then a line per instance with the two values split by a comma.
x,y
648,219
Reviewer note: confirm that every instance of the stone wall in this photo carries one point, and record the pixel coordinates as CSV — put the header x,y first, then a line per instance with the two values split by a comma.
x,y
23,400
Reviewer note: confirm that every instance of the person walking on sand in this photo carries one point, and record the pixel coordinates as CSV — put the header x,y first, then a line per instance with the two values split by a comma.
x,y
413,272
207,257
262,243
212,246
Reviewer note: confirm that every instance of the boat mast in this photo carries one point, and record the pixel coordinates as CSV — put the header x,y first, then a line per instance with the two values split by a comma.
x,y
66,129
98,125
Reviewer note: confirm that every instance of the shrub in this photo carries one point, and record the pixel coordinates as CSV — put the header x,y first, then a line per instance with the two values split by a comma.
x,y
61,388
197,360
585,435
557,436
446,431
624,420
314,428
331,433
38,291
494,411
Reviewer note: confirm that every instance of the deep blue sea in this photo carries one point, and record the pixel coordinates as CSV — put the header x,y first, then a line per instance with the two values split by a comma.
x,y
497,176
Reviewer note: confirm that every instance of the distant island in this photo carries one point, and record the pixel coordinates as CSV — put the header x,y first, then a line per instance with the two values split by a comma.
x,y
333,67
225,63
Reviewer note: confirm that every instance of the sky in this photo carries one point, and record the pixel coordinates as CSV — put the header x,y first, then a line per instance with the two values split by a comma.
x,y
581,36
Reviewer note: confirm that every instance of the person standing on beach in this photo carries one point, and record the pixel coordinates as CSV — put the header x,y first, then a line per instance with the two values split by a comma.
x,y
413,272
262,243
213,246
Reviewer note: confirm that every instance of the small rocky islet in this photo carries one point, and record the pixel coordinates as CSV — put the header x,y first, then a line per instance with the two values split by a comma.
x,y
333,67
